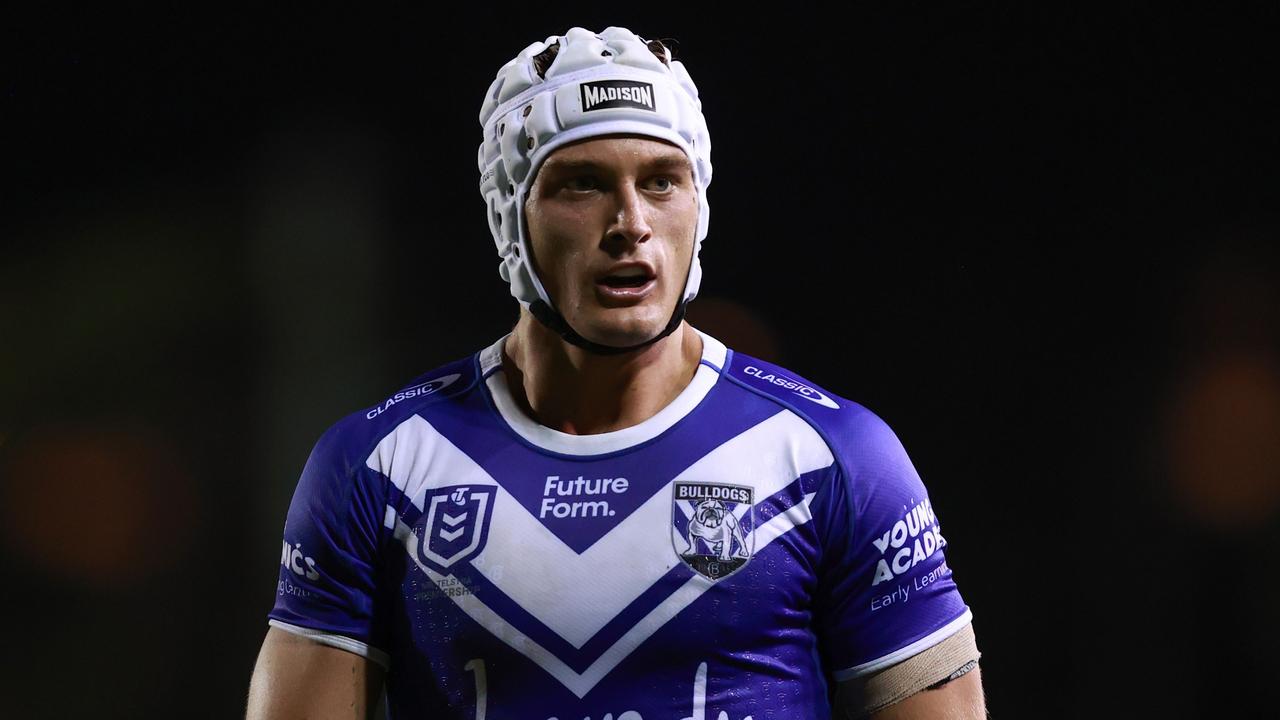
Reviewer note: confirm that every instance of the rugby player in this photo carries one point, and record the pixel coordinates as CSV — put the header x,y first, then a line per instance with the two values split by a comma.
x,y
608,514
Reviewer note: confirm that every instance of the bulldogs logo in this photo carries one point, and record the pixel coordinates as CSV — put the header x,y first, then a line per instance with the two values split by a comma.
x,y
456,525
712,527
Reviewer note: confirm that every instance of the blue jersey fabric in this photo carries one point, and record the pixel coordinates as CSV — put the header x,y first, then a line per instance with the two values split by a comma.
x,y
735,555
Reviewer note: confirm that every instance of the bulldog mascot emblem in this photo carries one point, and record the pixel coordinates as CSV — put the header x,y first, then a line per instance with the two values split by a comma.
x,y
712,527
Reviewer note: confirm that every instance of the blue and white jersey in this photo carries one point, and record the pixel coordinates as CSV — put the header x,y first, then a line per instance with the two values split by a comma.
x,y
731,557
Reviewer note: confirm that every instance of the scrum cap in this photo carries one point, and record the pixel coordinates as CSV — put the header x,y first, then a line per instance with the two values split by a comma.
x,y
568,88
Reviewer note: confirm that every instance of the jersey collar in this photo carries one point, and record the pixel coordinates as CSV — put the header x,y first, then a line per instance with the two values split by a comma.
x,y
713,359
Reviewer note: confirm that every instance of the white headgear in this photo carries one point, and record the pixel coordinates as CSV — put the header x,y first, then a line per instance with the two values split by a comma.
x,y
597,84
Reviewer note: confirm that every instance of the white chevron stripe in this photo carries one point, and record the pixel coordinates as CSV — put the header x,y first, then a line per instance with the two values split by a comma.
x,y
581,683
572,594
575,595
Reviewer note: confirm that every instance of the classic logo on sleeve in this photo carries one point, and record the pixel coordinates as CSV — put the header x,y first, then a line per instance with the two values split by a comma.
x,y
712,527
807,392
427,388
456,525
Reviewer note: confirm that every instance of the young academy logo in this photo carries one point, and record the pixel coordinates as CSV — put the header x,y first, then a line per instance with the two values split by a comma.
x,y
456,525
711,527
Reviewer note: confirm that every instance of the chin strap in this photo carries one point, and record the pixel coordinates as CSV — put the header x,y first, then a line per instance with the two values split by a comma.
x,y
556,322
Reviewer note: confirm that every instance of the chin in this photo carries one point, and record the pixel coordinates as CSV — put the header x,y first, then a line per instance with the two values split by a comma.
x,y
623,327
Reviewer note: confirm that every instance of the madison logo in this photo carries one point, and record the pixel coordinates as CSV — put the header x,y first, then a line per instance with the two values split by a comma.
x,y
605,94
712,527
456,525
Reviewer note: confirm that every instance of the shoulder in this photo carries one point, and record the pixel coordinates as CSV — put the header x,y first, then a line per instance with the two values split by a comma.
x,y
352,438
855,434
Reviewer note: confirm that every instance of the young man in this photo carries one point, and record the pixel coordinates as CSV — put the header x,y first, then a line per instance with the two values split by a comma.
x,y
607,513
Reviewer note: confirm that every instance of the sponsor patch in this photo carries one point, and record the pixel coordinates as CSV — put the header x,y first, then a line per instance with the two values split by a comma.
x,y
607,94
427,388
295,559
908,542
711,527
807,392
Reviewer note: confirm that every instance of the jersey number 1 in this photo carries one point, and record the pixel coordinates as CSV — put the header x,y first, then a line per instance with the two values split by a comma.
x,y
482,690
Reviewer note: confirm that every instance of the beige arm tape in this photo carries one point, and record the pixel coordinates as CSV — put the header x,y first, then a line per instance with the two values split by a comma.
x,y
949,659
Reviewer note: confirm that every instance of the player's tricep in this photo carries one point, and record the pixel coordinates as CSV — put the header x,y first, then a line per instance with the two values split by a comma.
x,y
299,677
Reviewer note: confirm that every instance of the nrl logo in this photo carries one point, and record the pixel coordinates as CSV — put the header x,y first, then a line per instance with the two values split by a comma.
x,y
712,527
456,525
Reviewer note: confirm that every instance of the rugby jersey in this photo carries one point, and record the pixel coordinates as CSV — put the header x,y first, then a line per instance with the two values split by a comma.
x,y
731,557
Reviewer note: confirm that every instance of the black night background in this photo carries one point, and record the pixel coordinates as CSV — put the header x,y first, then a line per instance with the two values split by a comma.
x,y
1042,244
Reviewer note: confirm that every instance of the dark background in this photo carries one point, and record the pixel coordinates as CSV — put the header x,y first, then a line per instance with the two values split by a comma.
x,y
1041,245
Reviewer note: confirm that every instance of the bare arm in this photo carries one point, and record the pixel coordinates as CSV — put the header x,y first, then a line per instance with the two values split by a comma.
x,y
959,699
296,677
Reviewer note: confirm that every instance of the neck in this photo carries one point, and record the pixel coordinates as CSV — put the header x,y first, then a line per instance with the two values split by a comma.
x,y
569,389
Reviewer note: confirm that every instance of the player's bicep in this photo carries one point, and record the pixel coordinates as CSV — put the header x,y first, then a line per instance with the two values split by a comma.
x,y
959,699
931,684
296,677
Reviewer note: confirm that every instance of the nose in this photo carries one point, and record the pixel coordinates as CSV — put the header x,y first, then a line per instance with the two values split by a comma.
x,y
630,224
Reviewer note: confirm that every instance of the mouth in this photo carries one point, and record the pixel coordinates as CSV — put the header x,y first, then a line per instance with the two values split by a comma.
x,y
629,282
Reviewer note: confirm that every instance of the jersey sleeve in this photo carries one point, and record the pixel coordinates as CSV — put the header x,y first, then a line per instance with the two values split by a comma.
x,y
885,591
327,587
